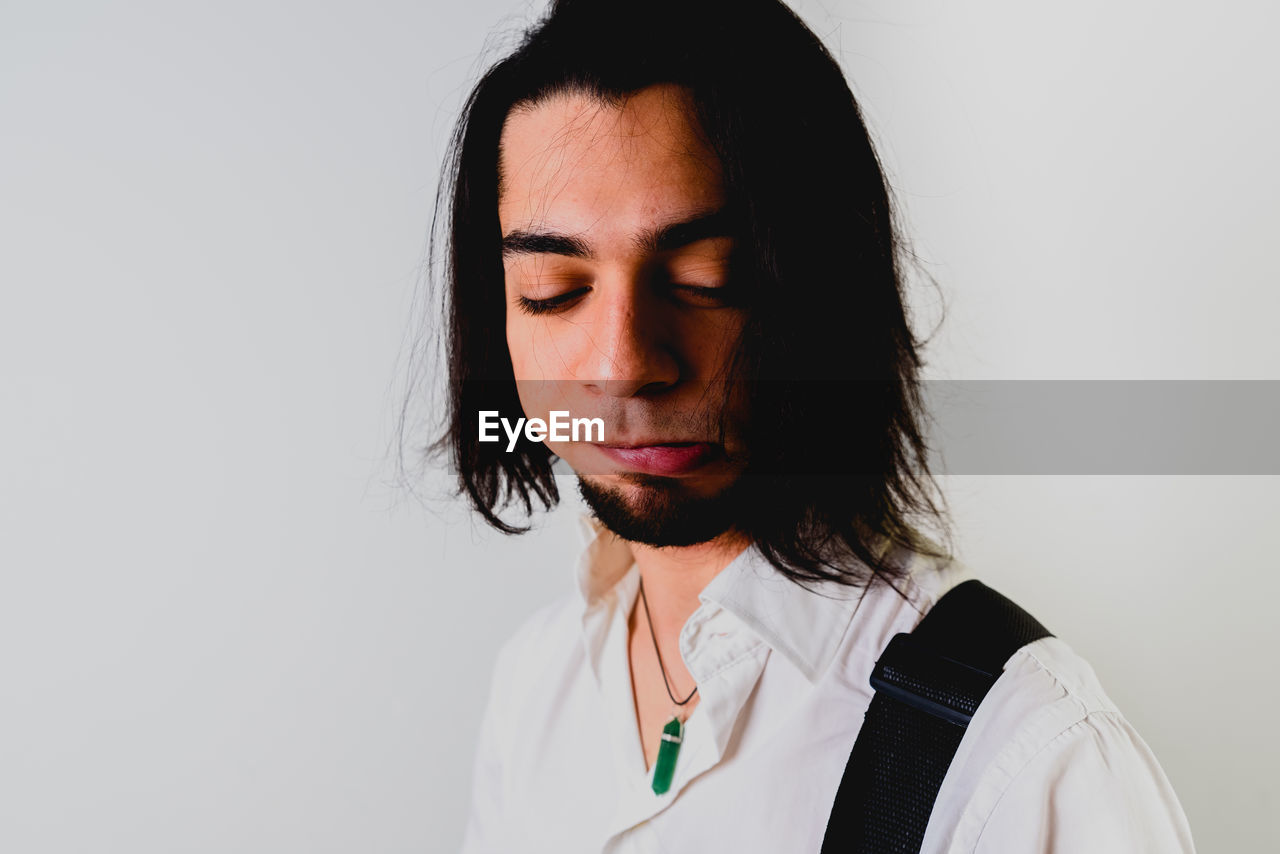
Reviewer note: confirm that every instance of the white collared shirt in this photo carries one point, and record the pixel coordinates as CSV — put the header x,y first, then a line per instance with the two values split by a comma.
x,y
1048,763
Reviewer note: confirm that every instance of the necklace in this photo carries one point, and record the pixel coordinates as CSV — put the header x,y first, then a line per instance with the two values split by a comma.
x,y
664,767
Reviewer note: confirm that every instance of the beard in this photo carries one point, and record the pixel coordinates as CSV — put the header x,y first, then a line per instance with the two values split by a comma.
x,y
664,513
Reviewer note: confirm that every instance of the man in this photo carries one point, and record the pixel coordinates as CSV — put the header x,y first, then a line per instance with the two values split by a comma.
x,y
669,218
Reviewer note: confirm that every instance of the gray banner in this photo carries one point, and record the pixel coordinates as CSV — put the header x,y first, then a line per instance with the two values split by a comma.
x,y
1133,427
1082,427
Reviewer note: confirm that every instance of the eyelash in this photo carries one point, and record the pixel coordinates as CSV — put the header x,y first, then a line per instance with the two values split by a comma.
x,y
550,305
719,295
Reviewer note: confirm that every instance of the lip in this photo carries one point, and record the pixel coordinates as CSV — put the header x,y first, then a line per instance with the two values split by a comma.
x,y
663,458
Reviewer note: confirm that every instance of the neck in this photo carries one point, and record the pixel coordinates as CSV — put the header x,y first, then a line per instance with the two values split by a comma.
x,y
674,576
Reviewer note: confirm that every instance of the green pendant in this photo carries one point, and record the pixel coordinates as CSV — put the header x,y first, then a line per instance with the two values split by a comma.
x,y
665,766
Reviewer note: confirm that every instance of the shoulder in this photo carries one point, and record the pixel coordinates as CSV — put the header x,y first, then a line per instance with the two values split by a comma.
x,y
1049,760
1046,689
520,668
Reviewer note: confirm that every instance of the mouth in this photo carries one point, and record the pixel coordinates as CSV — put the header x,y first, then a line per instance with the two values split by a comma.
x,y
661,458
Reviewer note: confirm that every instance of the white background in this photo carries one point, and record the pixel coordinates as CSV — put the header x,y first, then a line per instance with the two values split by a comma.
x,y
223,629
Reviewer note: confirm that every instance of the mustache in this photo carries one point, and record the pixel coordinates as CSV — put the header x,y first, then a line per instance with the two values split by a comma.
x,y
701,417
645,418
685,425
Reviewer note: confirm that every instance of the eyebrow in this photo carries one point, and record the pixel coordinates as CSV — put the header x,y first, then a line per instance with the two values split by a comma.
x,y
672,235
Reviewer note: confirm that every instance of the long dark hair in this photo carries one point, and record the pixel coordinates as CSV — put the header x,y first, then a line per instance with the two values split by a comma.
x,y
827,341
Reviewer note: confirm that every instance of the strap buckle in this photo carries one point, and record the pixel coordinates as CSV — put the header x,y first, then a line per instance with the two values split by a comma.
x,y
921,677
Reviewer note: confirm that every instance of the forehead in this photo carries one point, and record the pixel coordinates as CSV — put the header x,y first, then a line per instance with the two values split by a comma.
x,y
575,163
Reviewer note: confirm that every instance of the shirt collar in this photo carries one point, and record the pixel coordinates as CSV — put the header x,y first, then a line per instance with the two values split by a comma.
x,y
806,625
604,560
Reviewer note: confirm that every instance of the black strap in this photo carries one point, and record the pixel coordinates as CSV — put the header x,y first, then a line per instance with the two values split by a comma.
x,y
928,686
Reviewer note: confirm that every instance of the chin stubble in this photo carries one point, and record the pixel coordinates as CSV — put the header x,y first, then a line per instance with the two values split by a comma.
x,y
663,513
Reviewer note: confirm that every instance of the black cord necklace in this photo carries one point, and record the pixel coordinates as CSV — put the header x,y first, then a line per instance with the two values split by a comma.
x,y
664,768
666,683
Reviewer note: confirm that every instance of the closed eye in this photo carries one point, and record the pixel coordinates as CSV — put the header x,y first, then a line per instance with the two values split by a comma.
x,y
704,295
549,305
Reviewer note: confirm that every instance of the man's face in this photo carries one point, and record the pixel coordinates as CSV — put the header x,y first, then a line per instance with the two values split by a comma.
x,y
617,256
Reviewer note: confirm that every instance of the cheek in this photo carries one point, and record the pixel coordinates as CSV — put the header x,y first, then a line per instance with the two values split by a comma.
x,y
533,344
535,347
533,399
521,344
545,349
711,340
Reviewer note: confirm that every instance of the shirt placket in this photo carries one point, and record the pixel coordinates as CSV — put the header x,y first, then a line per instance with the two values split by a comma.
x,y
726,660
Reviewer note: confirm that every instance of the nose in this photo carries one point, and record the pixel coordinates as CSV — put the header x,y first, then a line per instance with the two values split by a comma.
x,y
632,351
